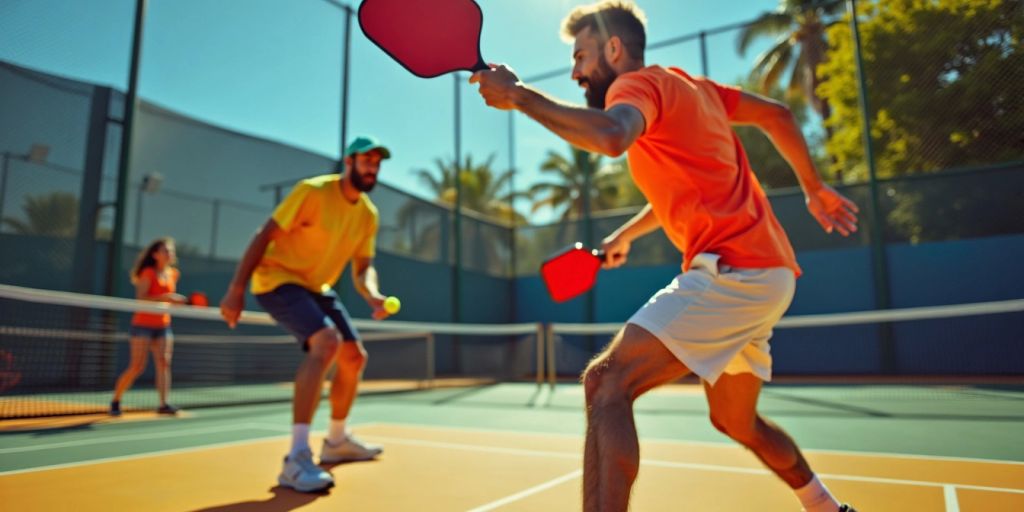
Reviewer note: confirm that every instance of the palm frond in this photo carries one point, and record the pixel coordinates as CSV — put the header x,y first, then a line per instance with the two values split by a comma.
x,y
773,63
767,25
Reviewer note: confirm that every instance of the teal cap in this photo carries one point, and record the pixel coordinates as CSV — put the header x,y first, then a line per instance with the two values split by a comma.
x,y
365,144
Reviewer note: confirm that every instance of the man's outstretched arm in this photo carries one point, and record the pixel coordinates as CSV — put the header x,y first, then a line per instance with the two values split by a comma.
x,y
609,132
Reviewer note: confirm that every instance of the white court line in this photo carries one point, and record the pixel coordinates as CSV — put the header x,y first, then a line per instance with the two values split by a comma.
x,y
139,455
528,492
171,451
515,451
716,444
952,505
131,437
679,465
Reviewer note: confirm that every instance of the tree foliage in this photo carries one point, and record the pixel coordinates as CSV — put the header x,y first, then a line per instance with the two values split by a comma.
x,y
945,82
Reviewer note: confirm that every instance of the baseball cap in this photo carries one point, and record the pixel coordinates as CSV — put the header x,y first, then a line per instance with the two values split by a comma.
x,y
365,144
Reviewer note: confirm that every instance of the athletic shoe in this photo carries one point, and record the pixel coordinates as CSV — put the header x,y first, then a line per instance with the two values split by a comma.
x,y
115,408
301,474
167,409
349,450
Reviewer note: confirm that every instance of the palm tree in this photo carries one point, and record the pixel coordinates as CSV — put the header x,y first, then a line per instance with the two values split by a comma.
x,y
569,187
53,214
799,27
483,189
485,192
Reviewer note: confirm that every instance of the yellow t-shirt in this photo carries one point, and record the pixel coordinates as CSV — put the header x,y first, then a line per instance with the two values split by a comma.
x,y
323,231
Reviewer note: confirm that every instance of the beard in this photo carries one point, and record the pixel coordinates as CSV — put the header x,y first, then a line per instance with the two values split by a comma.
x,y
598,83
360,182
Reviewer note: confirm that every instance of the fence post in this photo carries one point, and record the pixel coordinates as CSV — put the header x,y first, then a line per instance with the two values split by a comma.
x,y
214,228
887,349
124,165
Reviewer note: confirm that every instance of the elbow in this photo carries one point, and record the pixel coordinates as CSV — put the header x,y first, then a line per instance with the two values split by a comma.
x,y
778,117
614,142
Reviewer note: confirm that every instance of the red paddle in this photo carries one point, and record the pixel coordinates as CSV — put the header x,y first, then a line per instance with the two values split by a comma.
x,y
198,299
571,271
427,37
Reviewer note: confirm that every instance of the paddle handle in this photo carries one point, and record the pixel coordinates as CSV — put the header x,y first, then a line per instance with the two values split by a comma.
x,y
480,65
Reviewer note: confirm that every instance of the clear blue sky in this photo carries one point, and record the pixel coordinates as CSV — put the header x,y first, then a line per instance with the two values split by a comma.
x,y
271,68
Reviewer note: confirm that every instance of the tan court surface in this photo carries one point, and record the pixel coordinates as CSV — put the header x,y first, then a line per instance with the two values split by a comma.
x,y
432,468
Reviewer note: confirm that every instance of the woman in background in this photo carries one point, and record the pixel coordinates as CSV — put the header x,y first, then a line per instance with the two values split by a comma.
x,y
155,278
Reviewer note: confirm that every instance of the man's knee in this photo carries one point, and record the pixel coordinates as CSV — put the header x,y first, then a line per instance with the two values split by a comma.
x,y
604,383
352,356
323,345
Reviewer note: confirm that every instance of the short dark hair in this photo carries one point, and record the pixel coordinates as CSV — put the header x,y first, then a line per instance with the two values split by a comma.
x,y
610,18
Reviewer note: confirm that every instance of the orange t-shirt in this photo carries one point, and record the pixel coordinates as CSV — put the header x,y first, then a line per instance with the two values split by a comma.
x,y
158,285
691,167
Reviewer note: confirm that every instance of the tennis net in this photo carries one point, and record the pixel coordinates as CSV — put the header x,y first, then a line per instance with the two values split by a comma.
x,y
61,353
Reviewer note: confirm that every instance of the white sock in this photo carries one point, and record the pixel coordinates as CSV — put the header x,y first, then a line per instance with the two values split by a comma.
x,y
336,431
300,438
815,497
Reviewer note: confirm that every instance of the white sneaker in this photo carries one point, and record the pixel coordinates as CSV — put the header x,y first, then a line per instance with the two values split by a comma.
x,y
301,474
349,450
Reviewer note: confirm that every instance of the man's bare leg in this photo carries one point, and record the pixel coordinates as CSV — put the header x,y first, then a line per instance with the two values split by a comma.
x,y
733,404
635,362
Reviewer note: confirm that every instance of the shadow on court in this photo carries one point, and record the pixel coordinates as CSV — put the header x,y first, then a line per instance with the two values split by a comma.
x,y
283,499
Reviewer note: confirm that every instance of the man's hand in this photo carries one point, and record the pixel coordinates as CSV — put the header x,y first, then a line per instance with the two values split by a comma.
x,y
497,86
231,306
616,250
376,302
833,211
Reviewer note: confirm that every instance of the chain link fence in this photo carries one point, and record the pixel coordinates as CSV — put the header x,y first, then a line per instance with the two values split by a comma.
x,y
943,79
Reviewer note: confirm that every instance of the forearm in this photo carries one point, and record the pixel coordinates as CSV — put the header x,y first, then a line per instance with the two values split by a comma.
x,y
785,134
642,223
365,282
586,128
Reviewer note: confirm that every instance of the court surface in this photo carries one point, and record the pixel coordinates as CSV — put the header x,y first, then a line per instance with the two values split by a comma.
x,y
517,447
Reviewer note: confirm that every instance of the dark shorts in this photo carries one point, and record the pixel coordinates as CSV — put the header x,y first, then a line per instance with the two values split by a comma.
x,y
303,313
151,333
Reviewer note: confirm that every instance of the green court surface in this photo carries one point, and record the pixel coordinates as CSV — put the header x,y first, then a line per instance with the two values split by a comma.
x,y
950,421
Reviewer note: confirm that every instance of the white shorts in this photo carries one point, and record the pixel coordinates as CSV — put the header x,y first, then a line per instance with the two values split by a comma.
x,y
717,319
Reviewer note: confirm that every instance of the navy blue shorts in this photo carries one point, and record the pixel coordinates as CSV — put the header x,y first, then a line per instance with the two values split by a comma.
x,y
303,313
151,333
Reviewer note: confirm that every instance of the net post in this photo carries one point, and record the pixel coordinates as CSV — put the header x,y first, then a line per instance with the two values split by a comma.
x,y
541,343
430,360
551,356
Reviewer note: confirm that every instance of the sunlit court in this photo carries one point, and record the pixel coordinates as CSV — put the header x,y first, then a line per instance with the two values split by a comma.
x,y
485,255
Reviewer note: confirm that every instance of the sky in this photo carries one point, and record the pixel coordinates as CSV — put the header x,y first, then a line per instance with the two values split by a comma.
x,y
272,68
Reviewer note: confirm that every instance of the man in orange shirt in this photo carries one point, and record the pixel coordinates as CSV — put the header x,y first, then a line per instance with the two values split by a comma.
x,y
739,269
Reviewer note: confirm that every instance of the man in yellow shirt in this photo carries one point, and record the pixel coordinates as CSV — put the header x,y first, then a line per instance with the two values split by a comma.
x,y
293,262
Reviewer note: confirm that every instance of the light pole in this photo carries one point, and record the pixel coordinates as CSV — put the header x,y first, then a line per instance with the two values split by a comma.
x,y
150,185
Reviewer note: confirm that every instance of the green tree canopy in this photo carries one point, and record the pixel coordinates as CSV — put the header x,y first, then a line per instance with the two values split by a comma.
x,y
945,83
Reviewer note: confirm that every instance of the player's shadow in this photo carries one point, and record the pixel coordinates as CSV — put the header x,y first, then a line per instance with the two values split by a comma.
x,y
283,499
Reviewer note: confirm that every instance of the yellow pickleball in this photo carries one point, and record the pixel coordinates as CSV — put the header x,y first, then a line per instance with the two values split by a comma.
x,y
392,305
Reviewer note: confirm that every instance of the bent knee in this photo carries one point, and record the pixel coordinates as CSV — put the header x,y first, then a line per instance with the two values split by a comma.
x,y
603,384
323,345
351,355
